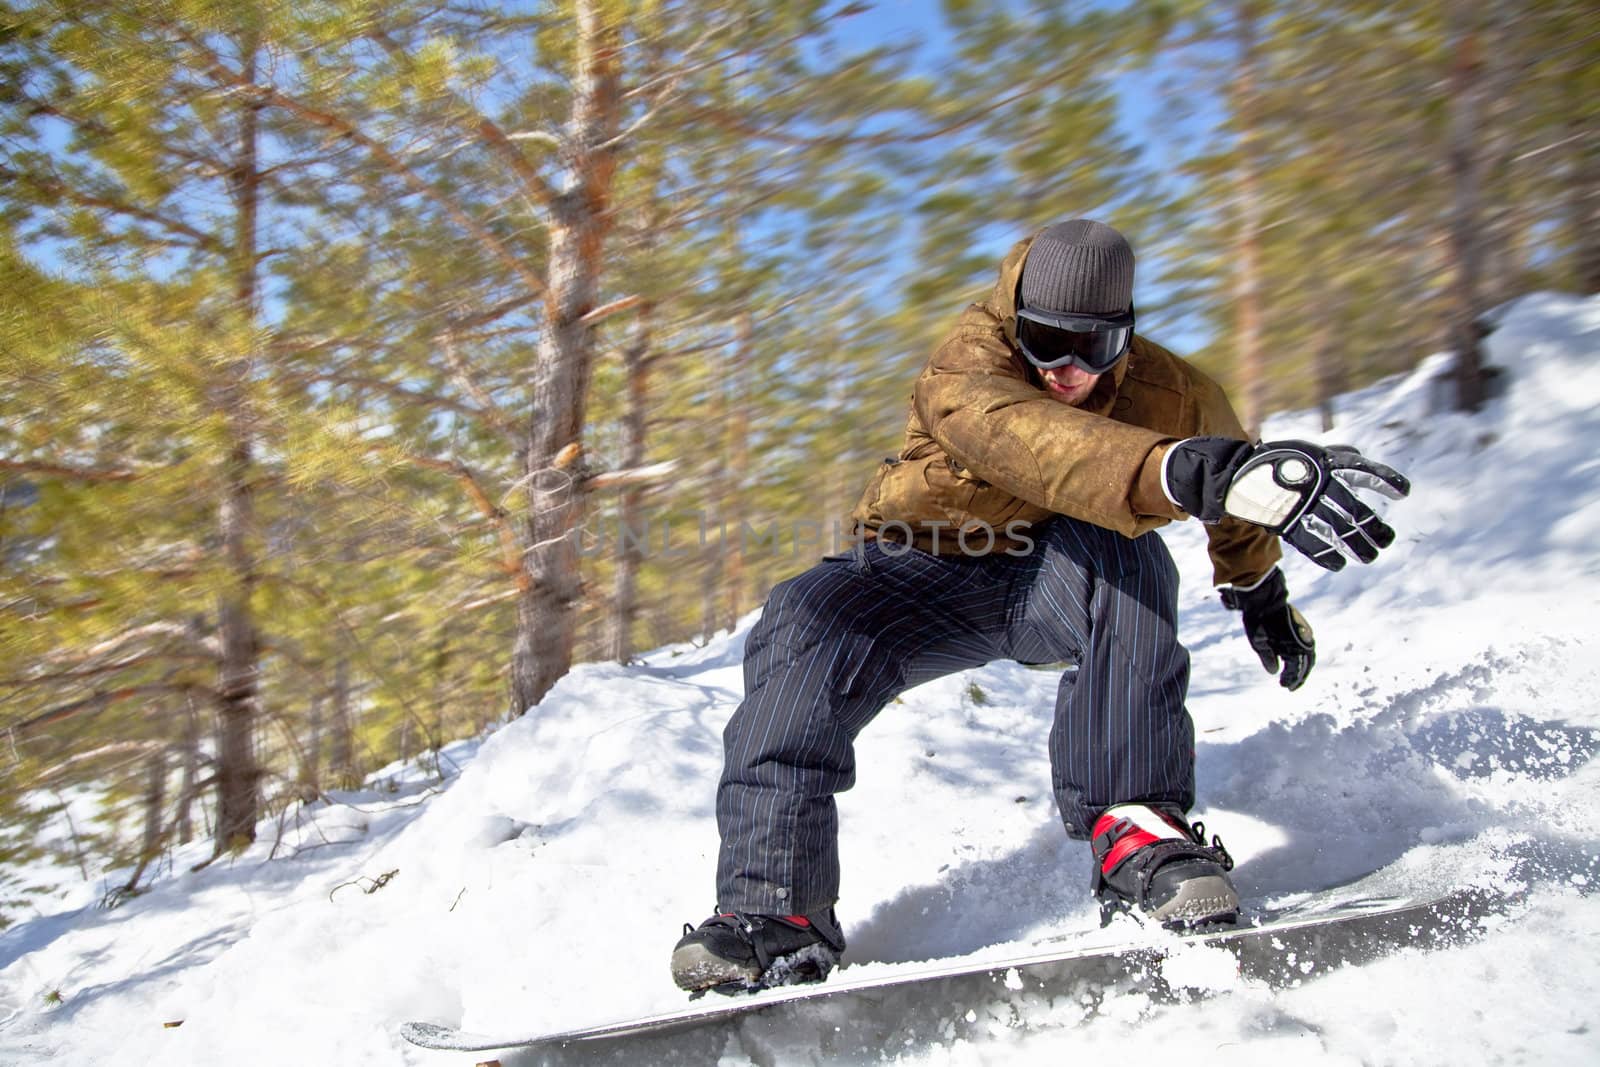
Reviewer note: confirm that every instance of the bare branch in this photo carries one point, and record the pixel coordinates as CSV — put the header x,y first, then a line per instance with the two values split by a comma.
x,y
154,629
488,315
67,471
468,605
488,132
606,311
532,181
78,674
510,555
388,388
737,123
336,123
115,748
655,472
462,372
662,84
101,699
662,87
541,136
208,166
51,186
489,601
1545,148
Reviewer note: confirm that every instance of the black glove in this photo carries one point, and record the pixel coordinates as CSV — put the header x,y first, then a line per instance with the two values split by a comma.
x,y
1275,629
1296,489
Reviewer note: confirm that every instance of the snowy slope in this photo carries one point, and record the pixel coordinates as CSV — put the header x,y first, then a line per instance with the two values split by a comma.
x,y
1448,732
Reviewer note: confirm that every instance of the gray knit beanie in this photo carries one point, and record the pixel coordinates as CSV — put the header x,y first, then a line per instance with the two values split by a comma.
x,y
1078,266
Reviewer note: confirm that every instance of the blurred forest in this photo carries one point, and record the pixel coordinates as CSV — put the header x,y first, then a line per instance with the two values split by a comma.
x,y
344,342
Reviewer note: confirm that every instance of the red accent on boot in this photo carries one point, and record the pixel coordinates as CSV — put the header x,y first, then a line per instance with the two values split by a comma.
x,y
1130,842
1126,847
797,920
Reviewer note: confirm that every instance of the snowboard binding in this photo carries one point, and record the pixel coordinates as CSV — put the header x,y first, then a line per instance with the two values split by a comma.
x,y
1151,863
735,953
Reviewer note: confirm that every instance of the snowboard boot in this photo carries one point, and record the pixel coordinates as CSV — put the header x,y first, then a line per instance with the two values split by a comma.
x,y
1148,857
739,953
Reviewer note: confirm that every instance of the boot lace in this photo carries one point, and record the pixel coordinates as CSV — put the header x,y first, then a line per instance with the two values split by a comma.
x,y
1223,858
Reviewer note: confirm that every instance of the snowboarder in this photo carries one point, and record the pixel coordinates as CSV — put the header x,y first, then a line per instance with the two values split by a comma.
x,y
1046,441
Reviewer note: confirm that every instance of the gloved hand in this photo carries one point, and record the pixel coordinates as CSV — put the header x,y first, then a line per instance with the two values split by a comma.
x,y
1296,489
1276,630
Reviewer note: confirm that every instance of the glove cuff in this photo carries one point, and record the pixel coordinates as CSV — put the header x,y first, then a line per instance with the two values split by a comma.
x,y
1166,475
1196,473
1270,592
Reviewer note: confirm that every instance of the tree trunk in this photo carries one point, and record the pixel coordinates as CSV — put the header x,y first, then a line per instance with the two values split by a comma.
x,y
630,516
237,775
342,750
1466,175
1583,202
714,562
841,471
155,802
311,765
737,511
78,853
1247,242
1327,362
189,746
579,220
237,693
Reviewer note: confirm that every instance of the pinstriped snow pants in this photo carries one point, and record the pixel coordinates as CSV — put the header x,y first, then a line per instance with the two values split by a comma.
x,y
837,643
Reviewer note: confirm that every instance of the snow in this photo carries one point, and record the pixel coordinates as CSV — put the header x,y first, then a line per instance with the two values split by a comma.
x,y
1447,736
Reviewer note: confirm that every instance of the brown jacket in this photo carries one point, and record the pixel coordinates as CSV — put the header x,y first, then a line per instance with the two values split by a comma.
x,y
988,450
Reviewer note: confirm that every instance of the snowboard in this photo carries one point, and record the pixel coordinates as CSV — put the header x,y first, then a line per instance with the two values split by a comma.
x,y
852,1015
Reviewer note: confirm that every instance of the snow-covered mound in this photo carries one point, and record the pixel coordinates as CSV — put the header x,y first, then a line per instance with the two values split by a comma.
x,y
1448,732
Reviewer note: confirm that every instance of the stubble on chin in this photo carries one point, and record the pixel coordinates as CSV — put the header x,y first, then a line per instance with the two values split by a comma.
x,y
1072,400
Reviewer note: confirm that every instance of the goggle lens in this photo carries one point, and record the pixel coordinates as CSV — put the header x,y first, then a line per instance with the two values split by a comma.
x,y
1095,349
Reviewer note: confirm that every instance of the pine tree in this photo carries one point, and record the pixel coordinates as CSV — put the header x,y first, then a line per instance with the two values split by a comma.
x,y
172,312
181,492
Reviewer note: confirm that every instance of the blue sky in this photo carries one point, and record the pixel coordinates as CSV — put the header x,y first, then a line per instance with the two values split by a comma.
x,y
1142,116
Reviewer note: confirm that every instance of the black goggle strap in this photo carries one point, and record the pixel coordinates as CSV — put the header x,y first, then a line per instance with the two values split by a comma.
x,y
1078,323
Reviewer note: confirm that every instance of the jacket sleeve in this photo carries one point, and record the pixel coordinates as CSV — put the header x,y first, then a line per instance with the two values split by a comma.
x,y
975,401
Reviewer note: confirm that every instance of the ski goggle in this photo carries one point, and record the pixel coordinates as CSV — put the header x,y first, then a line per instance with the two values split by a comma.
x,y
1092,343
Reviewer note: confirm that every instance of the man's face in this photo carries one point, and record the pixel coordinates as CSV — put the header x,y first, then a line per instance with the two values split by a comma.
x,y
1069,385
